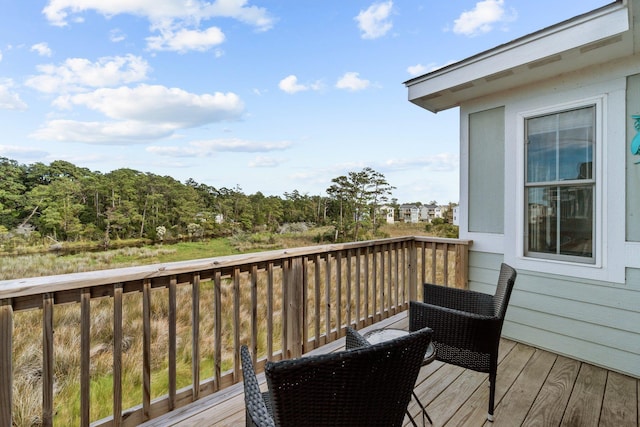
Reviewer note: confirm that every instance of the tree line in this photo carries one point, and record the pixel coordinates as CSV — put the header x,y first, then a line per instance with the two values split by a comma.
x,y
64,202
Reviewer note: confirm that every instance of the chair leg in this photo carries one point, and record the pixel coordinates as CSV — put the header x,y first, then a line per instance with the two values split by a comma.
x,y
492,395
424,410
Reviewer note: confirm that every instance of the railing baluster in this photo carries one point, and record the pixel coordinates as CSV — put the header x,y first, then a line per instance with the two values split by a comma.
x,y
173,340
347,300
195,336
397,256
390,251
338,294
85,360
383,265
269,310
47,359
367,313
254,309
374,286
434,261
286,266
327,297
358,302
217,310
305,303
236,325
316,261
146,349
423,278
445,259
6,365
413,271
117,354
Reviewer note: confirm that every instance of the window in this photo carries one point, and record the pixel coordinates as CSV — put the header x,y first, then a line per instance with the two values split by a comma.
x,y
560,186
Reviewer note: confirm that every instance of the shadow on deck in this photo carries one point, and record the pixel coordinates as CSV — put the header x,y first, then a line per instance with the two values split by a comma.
x,y
534,388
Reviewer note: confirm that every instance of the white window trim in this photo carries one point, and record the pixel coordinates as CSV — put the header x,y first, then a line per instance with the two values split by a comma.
x,y
598,270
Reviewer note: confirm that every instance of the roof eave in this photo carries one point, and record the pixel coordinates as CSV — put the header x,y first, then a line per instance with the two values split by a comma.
x,y
564,47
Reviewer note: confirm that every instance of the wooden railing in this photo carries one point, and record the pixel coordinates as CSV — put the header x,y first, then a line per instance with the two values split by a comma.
x,y
279,303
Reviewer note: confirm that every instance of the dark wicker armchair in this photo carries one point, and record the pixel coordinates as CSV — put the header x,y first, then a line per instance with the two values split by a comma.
x,y
466,325
368,386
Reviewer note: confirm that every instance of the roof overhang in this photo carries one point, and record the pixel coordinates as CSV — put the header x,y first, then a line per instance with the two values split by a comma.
x,y
594,38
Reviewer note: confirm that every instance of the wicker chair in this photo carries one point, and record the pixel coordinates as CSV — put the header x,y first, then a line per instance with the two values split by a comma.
x,y
353,340
466,325
368,386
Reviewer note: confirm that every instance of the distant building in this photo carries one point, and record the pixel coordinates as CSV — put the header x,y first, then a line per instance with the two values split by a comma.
x,y
387,212
409,213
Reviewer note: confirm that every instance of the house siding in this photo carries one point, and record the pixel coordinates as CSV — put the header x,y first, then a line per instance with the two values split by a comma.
x,y
596,322
486,171
632,170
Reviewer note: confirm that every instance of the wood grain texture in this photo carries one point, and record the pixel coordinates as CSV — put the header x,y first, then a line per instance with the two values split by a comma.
x,y
6,364
585,403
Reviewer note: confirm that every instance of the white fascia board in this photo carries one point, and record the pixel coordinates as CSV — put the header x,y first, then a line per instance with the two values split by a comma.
x,y
599,25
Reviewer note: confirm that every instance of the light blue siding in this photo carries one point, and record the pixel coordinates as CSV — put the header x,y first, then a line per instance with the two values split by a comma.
x,y
596,322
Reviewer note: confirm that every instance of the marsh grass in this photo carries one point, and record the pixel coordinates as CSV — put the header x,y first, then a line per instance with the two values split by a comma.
x,y
27,337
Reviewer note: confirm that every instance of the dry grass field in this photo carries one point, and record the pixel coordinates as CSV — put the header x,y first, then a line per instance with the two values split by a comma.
x,y
27,347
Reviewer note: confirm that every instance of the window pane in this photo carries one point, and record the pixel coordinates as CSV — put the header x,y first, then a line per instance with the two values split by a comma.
x,y
560,146
560,220
541,157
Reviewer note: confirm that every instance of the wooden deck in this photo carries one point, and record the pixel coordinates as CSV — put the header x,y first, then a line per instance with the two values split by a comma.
x,y
535,388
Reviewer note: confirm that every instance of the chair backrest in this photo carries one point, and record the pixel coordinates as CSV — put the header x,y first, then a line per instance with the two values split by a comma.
x,y
367,386
506,281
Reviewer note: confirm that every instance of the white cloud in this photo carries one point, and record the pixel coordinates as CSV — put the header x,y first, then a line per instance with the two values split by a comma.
x,y
290,85
482,18
9,99
185,40
436,163
352,81
42,49
209,148
158,104
161,12
140,114
79,74
374,22
417,70
107,133
13,151
265,162
116,35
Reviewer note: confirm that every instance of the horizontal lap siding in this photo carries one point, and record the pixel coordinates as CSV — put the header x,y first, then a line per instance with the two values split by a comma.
x,y
595,322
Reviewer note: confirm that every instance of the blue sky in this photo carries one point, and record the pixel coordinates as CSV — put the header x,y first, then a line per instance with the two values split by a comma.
x,y
267,95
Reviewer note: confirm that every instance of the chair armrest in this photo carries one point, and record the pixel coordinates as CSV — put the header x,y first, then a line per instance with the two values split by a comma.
x,y
459,299
255,405
353,339
456,328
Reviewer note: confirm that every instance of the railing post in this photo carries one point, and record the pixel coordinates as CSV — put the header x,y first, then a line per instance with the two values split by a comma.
x,y
6,367
462,266
47,359
295,312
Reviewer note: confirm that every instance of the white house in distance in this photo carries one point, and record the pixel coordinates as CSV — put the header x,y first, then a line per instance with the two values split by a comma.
x,y
387,212
549,183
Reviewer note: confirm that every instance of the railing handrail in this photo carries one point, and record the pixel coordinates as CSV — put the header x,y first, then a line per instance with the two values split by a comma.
x,y
63,282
